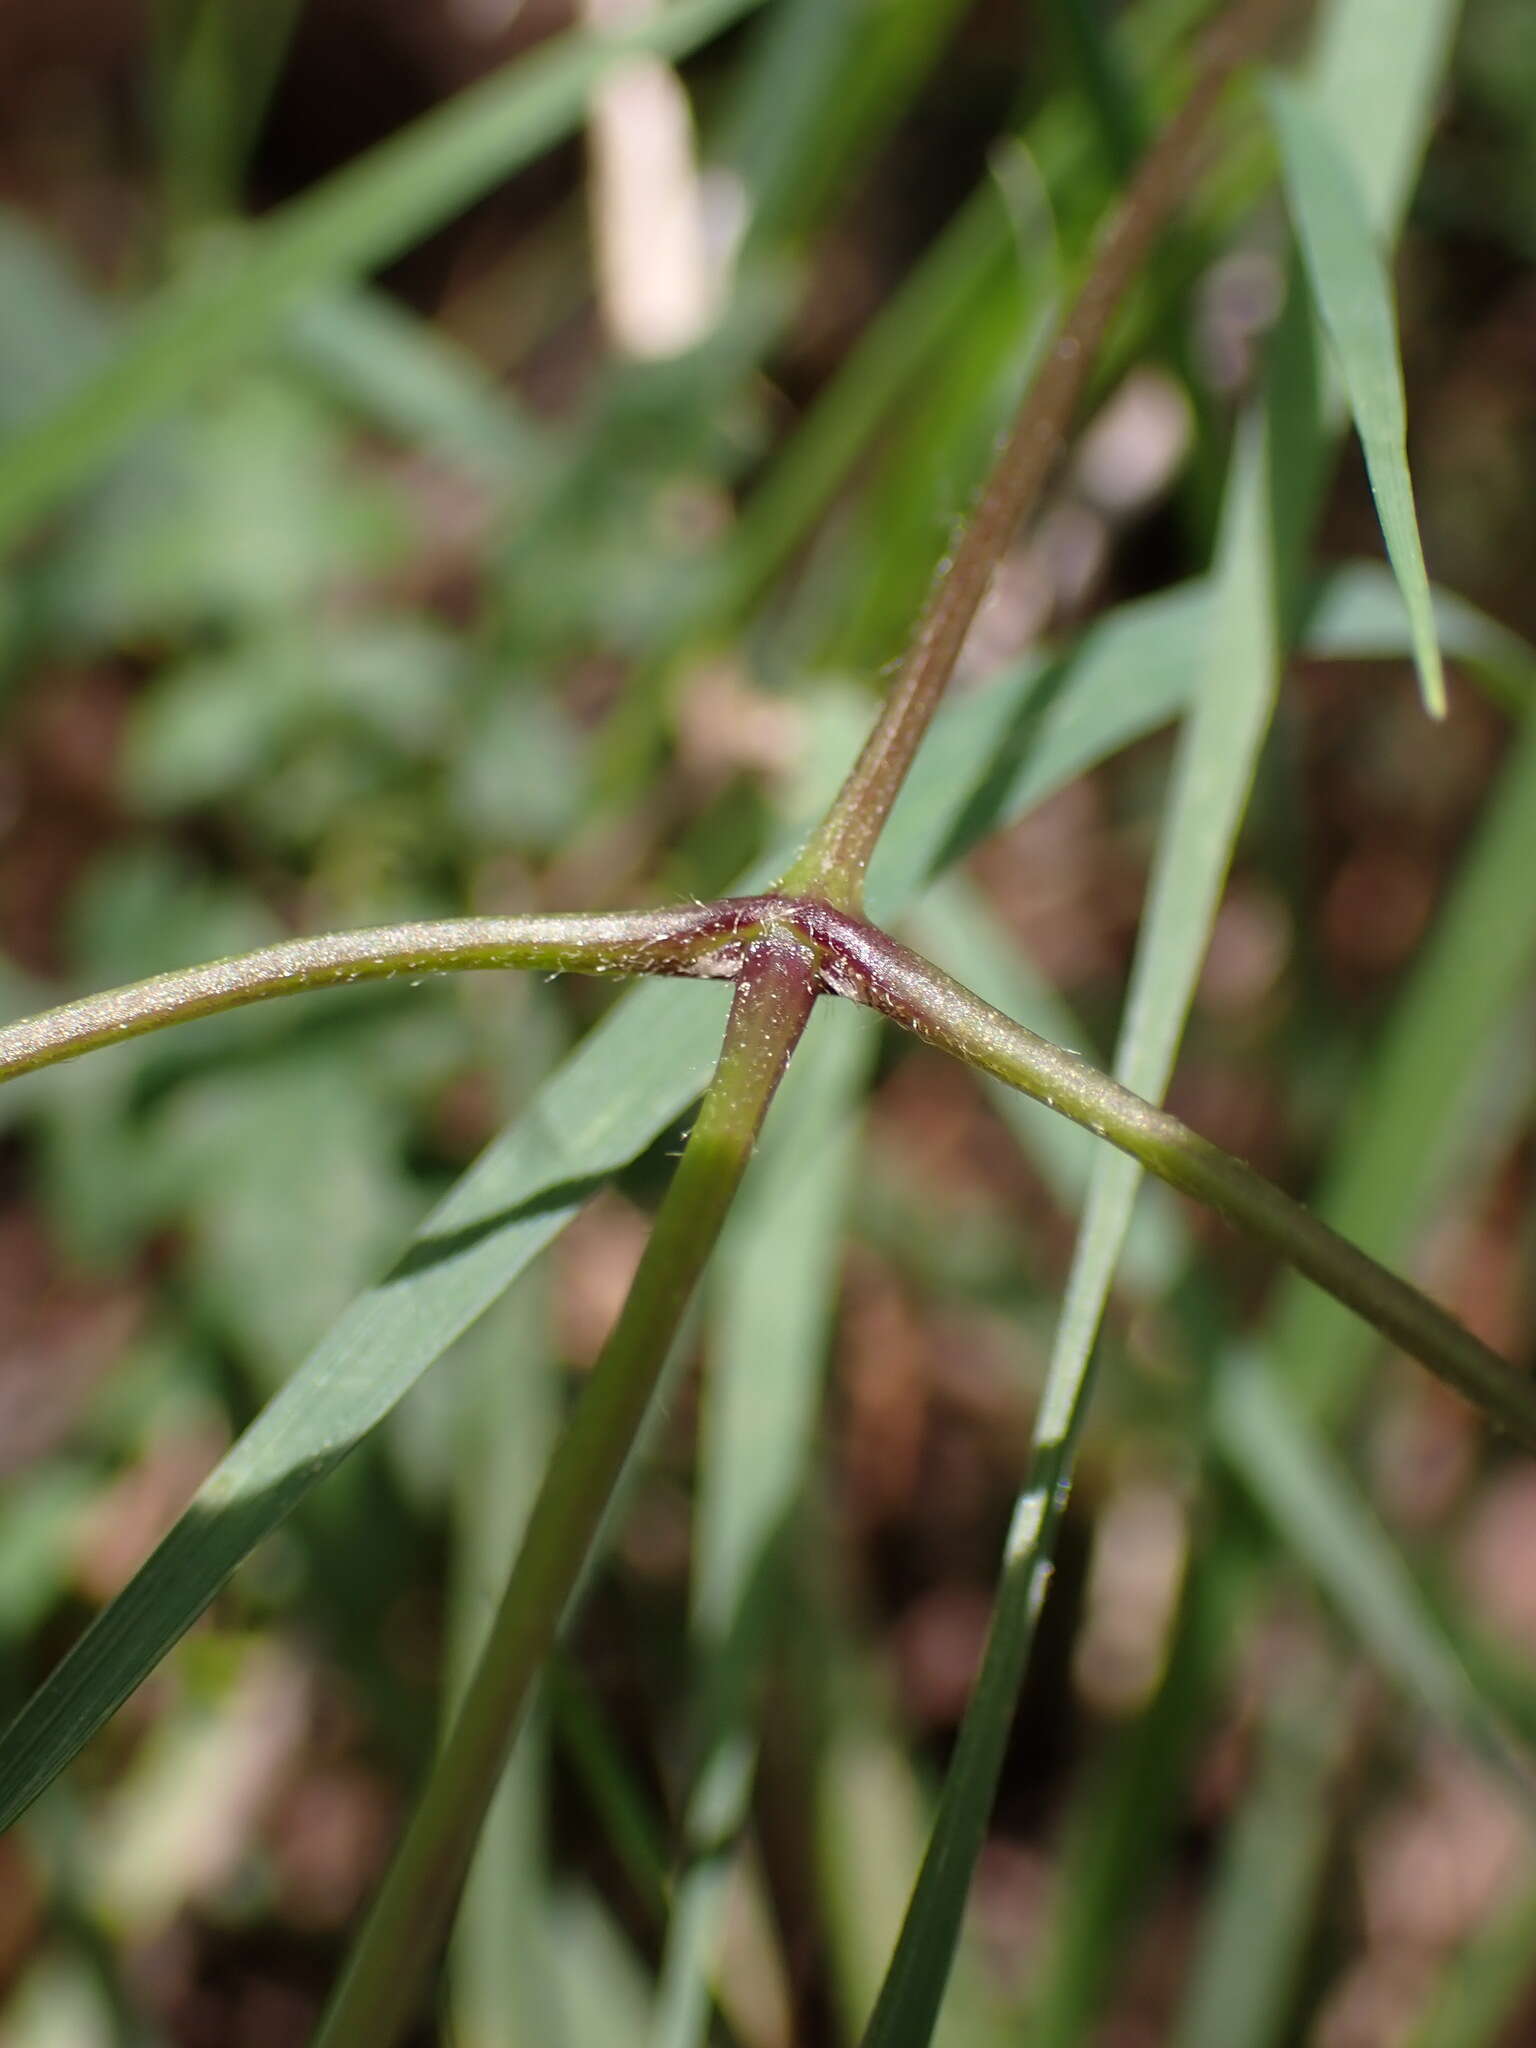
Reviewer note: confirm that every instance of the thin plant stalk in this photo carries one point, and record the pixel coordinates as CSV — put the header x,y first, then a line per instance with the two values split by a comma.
x,y
845,956
835,861
386,1975
926,1001
675,941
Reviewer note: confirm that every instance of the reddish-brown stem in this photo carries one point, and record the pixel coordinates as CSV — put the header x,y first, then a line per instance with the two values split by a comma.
x,y
833,864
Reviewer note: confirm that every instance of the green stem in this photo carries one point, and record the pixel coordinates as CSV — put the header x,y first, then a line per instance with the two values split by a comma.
x,y
381,1989
687,941
845,956
875,970
834,862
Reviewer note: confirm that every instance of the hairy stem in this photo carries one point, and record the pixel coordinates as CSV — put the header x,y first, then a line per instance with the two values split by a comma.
x,y
834,862
843,956
386,1975
685,941
875,970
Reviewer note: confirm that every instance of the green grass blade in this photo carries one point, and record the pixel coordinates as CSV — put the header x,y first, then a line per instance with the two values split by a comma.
x,y
214,71
1119,1830
622,1808
1353,293
869,1837
1394,1150
605,1986
636,1073
760,1406
824,86
1324,1520
907,2008
1487,1981
1097,64
994,755
358,219
768,1350
502,1995
1217,756
1243,1985
1218,751
1357,614
869,1821
1381,119
1314,1506
398,372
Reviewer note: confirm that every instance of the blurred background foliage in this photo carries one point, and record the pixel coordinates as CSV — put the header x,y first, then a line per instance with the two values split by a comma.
x,y
555,568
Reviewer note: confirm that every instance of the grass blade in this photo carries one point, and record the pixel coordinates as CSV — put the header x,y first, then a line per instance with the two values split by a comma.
x,y
1241,1991
1325,1522
357,220
1357,614
1313,1505
1394,1149
631,1077
996,754
1383,132
826,85
1211,779
869,1821
501,1989
1120,1827
770,1344
1487,1982
395,369
605,1987
621,1806
1353,293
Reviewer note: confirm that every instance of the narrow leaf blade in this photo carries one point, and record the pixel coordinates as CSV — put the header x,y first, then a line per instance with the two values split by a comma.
x,y
1353,292
1326,1522
769,1343
629,1079
1394,1149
